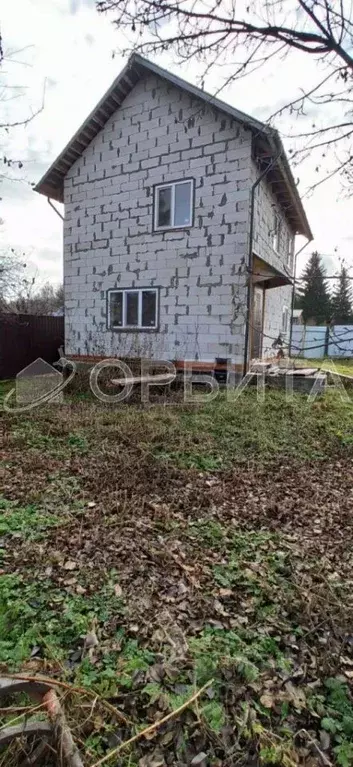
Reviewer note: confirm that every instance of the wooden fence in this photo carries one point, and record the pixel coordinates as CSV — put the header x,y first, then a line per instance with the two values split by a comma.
x,y
25,337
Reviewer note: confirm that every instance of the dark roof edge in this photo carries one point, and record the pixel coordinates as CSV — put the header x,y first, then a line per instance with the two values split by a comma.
x,y
66,156
199,93
291,185
40,186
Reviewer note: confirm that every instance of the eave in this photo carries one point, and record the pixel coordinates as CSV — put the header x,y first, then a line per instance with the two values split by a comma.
x,y
52,183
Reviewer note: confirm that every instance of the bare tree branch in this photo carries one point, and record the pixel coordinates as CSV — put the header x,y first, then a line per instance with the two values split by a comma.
x,y
11,123
247,36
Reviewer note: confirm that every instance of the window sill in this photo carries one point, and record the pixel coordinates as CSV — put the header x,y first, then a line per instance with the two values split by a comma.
x,y
133,330
162,229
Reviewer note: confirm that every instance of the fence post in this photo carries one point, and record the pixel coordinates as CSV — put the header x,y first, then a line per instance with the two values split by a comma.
x,y
327,339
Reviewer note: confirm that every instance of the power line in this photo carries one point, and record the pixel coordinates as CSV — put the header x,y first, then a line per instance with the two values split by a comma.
x,y
329,277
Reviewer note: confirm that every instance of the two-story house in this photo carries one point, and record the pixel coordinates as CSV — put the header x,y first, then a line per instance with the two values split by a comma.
x,y
180,219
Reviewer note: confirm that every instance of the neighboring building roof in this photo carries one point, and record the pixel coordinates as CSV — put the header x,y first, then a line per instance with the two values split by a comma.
x,y
297,312
267,139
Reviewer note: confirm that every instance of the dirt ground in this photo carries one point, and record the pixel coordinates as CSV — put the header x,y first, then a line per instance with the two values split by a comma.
x,y
145,554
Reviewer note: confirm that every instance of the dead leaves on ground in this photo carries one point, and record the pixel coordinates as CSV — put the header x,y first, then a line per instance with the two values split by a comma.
x,y
263,552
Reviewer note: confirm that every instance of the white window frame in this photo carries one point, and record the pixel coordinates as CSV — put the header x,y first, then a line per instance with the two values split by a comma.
x,y
290,249
172,186
139,292
276,232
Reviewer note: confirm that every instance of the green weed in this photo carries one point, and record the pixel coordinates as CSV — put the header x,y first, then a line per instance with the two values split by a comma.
x,y
40,614
133,659
256,567
208,532
78,443
28,521
246,652
335,706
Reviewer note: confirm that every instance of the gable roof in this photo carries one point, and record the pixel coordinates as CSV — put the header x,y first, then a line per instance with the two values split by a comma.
x,y
267,140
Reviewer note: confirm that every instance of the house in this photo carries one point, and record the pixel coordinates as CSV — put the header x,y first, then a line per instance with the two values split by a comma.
x,y
180,219
297,317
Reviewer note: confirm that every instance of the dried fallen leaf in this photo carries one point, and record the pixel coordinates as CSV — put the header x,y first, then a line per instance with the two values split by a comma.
x,y
118,590
200,759
296,695
70,565
90,640
325,740
267,700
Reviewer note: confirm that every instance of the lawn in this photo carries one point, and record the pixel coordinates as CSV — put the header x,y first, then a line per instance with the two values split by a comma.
x,y
344,366
150,554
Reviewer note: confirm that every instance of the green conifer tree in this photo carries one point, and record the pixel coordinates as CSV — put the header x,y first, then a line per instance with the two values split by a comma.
x,y
314,298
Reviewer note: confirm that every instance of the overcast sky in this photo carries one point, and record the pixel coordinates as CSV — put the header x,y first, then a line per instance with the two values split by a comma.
x,y
61,50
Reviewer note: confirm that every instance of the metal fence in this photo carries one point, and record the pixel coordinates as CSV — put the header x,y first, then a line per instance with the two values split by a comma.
x,y
25,337
321,341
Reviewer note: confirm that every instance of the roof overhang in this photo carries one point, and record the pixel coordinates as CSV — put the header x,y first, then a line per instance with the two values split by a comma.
x,y
268,276
266,139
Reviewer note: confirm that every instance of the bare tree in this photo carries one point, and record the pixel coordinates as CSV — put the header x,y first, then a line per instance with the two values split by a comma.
x,y
12,270
8,123
32,300
247,35
20,293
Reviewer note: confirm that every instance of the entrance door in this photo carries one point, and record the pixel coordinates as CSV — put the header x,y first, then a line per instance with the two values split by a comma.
x,y
257,317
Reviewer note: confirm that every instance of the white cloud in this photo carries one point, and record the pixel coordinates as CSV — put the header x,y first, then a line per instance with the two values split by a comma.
x,y
67,47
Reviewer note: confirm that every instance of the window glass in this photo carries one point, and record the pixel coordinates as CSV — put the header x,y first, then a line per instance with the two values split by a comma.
x,y
290,250
133,308
164,206
276,232
182,210
149,306
132,300
116,309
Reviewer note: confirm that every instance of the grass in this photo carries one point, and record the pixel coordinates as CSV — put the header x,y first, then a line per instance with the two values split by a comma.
x,y
27,521
207,437
219,433
5,387
344,366
193,543
42,616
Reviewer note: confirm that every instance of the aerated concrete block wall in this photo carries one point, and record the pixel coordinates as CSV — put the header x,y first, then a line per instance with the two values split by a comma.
x,y
266,205
159,134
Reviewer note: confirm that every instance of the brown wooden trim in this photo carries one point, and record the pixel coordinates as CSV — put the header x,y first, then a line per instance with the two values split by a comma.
x,y
195,365
256,286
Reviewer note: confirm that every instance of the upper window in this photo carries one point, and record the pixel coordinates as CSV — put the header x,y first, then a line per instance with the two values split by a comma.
x,y
173,205
276,232
290,243
133,309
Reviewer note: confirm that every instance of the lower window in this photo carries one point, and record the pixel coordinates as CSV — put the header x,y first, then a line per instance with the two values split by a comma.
x,y
133,309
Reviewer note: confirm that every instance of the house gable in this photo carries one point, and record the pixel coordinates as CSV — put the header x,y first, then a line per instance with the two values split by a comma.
x,y
267,140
